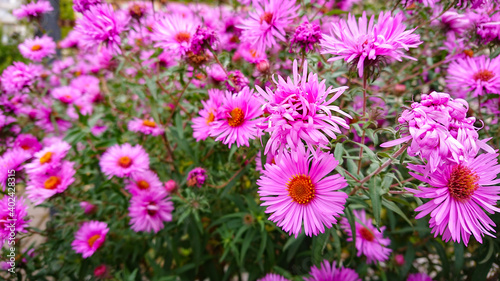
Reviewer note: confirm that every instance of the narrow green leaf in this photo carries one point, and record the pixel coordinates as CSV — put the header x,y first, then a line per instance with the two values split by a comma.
x,y
393,207
375,198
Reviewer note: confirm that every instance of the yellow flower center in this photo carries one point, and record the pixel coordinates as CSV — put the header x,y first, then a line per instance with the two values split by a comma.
x,y
237,117
142,185
462,183
182,36
52,182
92,239
149,123
46,158
210,118
124,162
36,47
301,189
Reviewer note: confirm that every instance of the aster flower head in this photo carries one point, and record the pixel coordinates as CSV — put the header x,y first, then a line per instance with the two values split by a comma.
x,y
268,22
365,44
123,160
38,48
141,182
83,5
18,77
197,177
9,214
33,10
202,125
43,186
203,38
459,193
329,272
299,191
149,211
370,242
419,277
300,110
48,159
89,238
239,116
236,81
100,24
11,160
28,143
306,36
146,126
66,94
478,76
175,33
138,10
273,277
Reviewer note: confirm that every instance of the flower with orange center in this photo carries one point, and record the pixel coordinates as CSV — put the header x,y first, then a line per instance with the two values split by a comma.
x,y
46,158
210,118
483,75
462,183
143,185
301,189
52,182
267,17
36,47
92,239
474,76
207,115
236,117
366,234
125,162
182,36
149,123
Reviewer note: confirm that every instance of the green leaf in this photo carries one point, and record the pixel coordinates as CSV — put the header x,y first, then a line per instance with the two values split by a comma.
x,y
375,198
339,151
318,246
393,207
459,258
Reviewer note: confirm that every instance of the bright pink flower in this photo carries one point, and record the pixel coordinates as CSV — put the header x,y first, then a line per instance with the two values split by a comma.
x,y
273,277
197,177
123,160
88,208
365,44
33,10
48,159
146,126
299,191
149,211
28,143
479,76
370,242
419,277
171,186
238,119
251,54
203,124
146,181
306,36
66,94
19,77
83,5
175,33
43,186
329,272
268,22
90,237
11,160
457,193
38,48
16,212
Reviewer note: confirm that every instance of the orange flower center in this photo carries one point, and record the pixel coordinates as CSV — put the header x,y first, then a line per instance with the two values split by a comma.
x,y
92,239
267,17
301,189
25,147
469,53
237,117
124,161
36,47
253,53
149,123
182,36
210,118
462,183
52,182
366,234
152,209
142,185
46,158
483,75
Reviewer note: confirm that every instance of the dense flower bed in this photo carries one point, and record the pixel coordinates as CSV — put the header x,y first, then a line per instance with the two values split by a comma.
x,y
259,140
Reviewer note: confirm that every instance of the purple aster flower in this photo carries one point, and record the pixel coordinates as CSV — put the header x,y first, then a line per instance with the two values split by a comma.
x,y
457,193
453,21
142,182
202,125
329,272
149,211
12,210
33,10
273,277
83,5
38,48
236,81
90,237
123,160
145,126
175,33
365,44
479,76
100,24
418,277
306,36
28,143
19,77
197,176
298,192
66,94
268,22
300,109
203,38
43,186
11,160
370,242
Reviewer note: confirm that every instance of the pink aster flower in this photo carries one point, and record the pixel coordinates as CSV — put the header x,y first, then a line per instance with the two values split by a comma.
x,y
238,119
329,272
66,94
90,237
419,277
88,208
268,22
48,159
300,109
146,181
11,160
28,143
306,36
197,177
33,10
38,48
365,44
13,216
83,5
369,241
43,186
457,193
273,277
149,211
479,76
236,81
100,24
123,160
298,191
175,33
19,77
145,126
202,125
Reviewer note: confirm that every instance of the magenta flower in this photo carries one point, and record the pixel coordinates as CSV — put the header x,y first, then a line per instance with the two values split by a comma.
x,y
479,76
203,38
48,159
238,119
329,272
369,241
197,176
38,48
306,36
100,24
458,192
273,277
418,277
90,237
18,77
202,125
83,5
13,216
28,143
33,10
123,160
88,208
299,191
11,160
43,186
300,109
146,181
175,33
145,126
66,94
236,81
268,22
365,44
148,211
